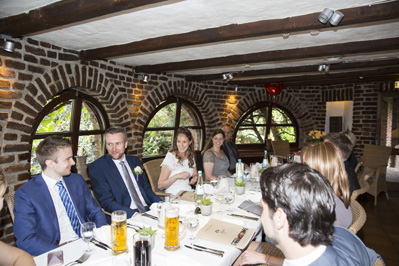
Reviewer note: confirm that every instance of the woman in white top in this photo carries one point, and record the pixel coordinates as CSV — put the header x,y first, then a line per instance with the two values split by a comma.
x,y
179,165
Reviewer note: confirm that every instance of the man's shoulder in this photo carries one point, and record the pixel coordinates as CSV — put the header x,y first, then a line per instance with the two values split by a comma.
x,y
33,182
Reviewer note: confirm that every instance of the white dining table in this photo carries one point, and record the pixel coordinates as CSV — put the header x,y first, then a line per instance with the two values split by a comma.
x,y
160,256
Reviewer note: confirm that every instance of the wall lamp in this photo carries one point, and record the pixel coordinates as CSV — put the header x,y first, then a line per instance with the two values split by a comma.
x,y
144,77
227,76
9,46
329,15
324,68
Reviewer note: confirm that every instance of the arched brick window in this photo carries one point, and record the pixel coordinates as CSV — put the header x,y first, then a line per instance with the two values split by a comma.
x,y
165,120
74,115
266,121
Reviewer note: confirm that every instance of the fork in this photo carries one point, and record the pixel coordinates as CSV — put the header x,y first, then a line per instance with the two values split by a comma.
x,y
82,259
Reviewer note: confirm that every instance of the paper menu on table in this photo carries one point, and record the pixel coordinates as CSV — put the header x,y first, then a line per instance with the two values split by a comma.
x,y
186,195
226,233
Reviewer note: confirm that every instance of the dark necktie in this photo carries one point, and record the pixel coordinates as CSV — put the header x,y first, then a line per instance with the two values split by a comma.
x,y
73,217
132,189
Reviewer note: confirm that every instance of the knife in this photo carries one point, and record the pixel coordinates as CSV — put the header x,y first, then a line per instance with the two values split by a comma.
x,y
244,216
100,246
149,216
95,241
204,250
215,250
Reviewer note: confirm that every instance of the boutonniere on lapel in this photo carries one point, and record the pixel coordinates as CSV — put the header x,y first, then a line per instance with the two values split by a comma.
x,y
138,172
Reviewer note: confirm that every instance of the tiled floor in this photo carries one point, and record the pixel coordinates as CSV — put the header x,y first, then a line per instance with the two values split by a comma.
x,y
381,231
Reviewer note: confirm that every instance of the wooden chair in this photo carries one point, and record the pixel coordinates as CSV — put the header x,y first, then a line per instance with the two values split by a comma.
x,y
153,170
9,198
374,160
94,197
281,148
358,216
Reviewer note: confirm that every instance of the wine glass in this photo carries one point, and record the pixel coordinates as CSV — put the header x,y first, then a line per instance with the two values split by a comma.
x,y
229,199
219,198
87,233
215,182
192,222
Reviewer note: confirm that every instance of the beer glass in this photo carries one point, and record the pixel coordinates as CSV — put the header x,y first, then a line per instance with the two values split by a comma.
x,y
172,229
142,249
118,232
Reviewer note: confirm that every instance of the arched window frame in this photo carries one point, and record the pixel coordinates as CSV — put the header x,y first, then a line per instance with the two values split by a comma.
x,y
179,102
269,125
78,97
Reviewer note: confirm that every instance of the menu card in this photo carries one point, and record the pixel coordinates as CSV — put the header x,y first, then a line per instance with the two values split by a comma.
x,y
226,233
186,195
251,207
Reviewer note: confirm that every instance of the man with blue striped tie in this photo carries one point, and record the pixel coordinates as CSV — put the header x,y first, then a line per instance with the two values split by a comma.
x,y
50,208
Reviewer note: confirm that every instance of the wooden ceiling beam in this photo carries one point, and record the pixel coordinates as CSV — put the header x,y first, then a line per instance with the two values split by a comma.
x,y
294,70
64,13
343,49
320,77
365,14
323,82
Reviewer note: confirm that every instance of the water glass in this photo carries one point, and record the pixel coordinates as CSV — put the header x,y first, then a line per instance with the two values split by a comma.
x,y
87,233
229,199
215,180
192,222
142,249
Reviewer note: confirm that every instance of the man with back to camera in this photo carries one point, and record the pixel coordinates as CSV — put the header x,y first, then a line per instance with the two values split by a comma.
x,y
114,181
344,145
298,216
50,208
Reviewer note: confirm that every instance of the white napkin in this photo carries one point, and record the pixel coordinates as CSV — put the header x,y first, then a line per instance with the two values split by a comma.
x,y
103,234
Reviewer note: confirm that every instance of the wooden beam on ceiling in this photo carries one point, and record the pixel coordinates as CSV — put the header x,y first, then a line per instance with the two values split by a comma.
x,y
322,82
64,13
357,15
294,70
320,77
341,49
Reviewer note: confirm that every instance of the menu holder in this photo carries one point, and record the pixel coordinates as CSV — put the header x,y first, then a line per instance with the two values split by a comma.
x,y
226,233
251,207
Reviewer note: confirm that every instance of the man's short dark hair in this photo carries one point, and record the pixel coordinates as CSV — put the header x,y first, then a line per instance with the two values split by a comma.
x,y
307,199
48,147
117,129
342,142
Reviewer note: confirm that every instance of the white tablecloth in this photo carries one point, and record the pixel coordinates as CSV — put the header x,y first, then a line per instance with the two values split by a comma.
x,y
160,256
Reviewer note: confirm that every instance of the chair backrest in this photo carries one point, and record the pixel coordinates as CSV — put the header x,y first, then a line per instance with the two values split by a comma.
x,y
375,156
281,148
153,170
9,197
358,216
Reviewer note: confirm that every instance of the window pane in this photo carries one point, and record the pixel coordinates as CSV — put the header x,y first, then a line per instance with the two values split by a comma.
x,y
91,146
157,142
259,116
250,134
280,117
164,117
283,133
35,168
57,121
88,120
187,117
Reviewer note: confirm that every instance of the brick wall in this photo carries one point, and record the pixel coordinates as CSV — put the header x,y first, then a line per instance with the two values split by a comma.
x,y
37,71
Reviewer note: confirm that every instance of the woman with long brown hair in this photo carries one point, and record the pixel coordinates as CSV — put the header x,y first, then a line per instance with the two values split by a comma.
x,y
179,165
326,158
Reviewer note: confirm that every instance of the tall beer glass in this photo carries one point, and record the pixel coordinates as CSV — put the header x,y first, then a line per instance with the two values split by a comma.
x,y
172,229
118,232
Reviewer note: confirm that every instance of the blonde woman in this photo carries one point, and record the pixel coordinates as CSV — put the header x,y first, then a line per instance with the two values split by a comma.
x,y
10,255
326,159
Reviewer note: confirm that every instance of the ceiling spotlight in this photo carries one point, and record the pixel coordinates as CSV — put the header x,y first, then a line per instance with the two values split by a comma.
x,y
329,15
324,68
236,88
325,15
144,77
8,44
286,35
224,76
336,18
227,76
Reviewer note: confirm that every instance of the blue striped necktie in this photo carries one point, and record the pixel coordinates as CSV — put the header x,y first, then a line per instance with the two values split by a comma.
x,y
73,217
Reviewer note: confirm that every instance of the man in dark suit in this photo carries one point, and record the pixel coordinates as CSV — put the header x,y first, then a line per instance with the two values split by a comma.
x,y
230,149
118,180
43,220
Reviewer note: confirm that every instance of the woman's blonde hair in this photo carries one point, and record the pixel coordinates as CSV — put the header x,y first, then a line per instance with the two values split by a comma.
x,y
3,181
325,158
